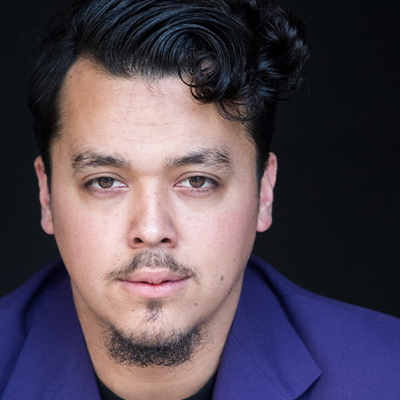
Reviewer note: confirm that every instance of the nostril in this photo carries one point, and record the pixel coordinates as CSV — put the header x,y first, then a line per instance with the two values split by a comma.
x,y
137,240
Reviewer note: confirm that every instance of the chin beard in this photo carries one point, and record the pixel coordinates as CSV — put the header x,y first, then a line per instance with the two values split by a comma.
x,y
154,349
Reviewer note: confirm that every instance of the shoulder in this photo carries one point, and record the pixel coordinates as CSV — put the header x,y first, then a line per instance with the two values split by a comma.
x,y
350,344
26,299
311,305
313,314
19,309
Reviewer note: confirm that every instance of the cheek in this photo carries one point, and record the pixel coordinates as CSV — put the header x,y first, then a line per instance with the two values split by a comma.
x,y
235,240
87,240
234,223
222,242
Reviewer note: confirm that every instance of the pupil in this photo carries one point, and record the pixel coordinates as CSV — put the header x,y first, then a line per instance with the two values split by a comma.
x,y
105,183
197,181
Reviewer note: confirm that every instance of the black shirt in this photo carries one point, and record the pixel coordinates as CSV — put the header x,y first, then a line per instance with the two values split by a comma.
x,y
205,393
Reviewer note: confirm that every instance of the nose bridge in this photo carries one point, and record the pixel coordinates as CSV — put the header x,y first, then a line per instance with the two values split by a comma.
x,y
151,222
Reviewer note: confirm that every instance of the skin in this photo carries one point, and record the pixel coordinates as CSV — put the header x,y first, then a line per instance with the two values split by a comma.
x,y
152,206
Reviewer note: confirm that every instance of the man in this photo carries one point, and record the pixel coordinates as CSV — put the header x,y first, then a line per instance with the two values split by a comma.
x,y
154,120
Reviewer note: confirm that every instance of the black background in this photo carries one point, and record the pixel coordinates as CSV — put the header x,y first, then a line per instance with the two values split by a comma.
x,y
336,213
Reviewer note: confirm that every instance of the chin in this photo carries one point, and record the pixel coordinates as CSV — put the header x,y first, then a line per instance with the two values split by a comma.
x,y
154,346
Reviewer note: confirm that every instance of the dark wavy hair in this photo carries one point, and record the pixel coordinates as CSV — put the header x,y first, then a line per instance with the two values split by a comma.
x,y
243,56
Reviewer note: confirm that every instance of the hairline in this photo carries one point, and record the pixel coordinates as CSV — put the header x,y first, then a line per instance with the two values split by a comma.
x,y
134,75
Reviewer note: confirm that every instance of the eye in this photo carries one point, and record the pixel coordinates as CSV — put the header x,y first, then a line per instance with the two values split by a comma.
x,y
104,183
198,182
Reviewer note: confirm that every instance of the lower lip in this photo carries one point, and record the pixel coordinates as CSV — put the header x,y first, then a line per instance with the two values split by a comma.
x,y
150,291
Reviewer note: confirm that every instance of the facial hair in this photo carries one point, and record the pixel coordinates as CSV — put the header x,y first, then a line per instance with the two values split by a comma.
x,y
151,347
151,259
142,351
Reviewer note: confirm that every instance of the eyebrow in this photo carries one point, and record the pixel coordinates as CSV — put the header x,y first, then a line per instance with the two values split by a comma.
x,y
210,157
92,158
205,156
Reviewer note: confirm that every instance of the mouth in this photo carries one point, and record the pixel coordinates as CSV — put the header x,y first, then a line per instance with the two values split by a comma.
x,y
154,284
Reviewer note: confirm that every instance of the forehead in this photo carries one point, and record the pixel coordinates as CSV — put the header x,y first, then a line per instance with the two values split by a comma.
x,y
102,110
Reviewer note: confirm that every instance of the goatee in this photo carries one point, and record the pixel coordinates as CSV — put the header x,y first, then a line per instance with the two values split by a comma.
x,y
152,347
159,350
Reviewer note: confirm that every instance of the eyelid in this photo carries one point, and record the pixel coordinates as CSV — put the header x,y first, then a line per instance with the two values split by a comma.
x,y
194,173
208,180
212,184
89,184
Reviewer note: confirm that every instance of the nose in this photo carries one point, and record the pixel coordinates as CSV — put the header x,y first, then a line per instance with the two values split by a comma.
x,y
152,224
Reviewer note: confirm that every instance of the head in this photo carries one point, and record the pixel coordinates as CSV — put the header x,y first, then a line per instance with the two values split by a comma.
x,y
240,56
154,120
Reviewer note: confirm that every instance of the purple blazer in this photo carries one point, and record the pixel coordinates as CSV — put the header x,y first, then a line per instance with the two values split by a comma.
x,y
285,343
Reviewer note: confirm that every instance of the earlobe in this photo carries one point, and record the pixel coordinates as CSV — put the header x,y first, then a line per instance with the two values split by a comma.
x,y
267,194
44,196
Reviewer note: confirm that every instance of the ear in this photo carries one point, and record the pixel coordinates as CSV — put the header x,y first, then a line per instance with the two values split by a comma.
x,y
44,196
267,194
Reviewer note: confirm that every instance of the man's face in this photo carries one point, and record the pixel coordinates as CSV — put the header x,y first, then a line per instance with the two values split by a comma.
x,y
142,170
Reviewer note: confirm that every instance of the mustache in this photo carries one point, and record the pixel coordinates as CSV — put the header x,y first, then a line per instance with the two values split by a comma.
x,y
151,259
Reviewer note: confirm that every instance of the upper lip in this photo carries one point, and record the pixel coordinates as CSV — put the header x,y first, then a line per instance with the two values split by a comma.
x,y
153,277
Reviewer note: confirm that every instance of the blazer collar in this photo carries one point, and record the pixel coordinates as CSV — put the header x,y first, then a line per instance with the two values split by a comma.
x,y
54,362
264,358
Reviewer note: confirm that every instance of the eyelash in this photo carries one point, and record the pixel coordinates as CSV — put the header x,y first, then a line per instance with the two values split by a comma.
x,y
89,185
212,184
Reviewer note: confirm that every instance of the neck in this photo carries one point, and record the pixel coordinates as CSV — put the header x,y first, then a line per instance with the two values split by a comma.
x,y
135,383
147,383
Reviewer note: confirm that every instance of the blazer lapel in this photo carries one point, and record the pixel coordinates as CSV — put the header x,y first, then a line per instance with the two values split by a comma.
x,y
264,358
54,362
